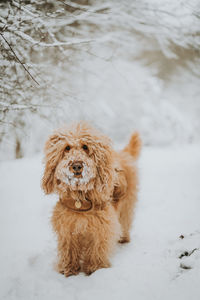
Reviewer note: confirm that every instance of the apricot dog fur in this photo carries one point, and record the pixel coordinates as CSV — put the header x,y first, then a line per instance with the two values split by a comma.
x,y
84,170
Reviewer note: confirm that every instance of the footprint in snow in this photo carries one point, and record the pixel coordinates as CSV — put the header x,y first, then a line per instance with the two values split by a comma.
x,y
188,252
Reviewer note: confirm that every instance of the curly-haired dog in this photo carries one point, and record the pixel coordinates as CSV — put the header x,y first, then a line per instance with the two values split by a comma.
x,y
97,190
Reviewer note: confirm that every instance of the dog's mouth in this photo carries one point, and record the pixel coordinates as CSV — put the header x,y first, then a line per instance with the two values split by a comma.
x,y
78,174
76,177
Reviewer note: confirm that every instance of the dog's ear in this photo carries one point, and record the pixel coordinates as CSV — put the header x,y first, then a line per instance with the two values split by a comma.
x,y
53,153
104,161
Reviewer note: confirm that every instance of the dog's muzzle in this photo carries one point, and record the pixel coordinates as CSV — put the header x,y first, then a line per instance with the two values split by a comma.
x,y
76,168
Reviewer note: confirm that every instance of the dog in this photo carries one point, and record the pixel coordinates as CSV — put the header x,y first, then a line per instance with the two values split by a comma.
x,y
97,190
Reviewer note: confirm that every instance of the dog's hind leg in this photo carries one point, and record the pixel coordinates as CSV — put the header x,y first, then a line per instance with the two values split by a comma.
x,y
126,210
127,185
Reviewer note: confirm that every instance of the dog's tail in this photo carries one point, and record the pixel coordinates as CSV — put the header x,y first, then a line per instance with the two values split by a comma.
x,y
134,145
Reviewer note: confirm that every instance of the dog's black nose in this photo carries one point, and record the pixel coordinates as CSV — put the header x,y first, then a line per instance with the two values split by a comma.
x,y
77,166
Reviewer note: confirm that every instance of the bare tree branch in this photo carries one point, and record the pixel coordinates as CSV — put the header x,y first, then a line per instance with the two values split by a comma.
x,y
17,58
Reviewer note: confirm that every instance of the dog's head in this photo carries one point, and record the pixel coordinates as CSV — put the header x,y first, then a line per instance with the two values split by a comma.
x,y
77,158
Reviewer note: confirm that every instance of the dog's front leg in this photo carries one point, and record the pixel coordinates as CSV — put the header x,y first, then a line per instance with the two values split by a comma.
x,y
68,255
92,264
96,256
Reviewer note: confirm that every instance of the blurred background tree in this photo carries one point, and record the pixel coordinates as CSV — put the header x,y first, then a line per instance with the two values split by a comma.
x,y
119,64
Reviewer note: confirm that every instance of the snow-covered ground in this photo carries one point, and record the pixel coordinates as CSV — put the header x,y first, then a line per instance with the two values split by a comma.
x,y
153,266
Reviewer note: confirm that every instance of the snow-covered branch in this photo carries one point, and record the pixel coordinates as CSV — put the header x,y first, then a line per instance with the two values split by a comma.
x,y
55,54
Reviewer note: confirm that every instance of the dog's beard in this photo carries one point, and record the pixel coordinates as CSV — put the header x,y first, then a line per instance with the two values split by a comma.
x,y
72,180
84,182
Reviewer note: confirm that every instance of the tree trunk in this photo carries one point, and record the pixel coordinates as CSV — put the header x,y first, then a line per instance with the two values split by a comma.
x,y
18,149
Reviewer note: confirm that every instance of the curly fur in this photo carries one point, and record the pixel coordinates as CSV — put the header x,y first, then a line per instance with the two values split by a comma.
x,y
87,239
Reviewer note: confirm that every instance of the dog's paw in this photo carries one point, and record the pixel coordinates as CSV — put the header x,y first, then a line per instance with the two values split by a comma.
x,y
124,239
70,271
89,269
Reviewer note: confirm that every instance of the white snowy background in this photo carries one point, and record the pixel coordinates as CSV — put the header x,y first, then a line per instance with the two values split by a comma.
x,y
124,66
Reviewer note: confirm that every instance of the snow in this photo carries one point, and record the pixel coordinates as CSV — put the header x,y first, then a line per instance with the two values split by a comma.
x,y
147,268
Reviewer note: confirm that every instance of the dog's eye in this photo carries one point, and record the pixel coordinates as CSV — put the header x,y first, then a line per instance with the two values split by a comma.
x,y
68,148
85,147
58,181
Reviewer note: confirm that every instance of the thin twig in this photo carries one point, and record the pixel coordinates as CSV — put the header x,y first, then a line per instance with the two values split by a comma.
x,y
17,58
8,123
